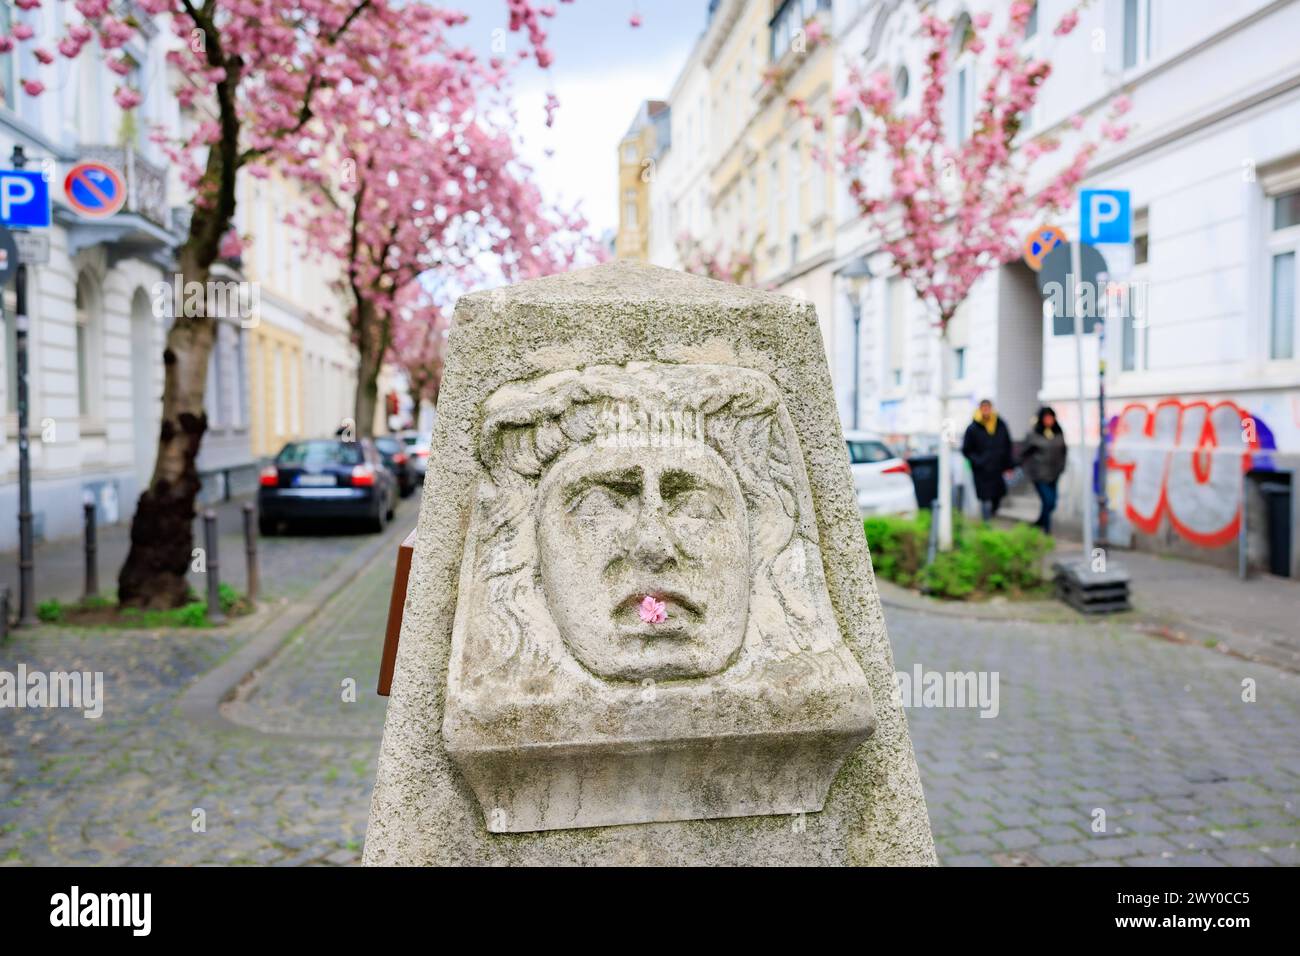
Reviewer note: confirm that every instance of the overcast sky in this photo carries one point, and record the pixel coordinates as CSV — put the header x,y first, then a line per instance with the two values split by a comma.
x,y
603,70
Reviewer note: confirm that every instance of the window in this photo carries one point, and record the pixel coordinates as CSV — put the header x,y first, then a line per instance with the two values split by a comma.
x,y
1137,32
902,83
1283,244
1135,322
896,333
87,327
959,363
962,108
793,182
277,391
787,25
238,406
869,452
774,201
215,397
1031,24
8,78
629,209
629,153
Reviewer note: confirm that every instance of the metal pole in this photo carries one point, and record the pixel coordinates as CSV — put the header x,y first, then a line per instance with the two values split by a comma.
x,y
250,552
26,559
1076,270
1103,502
92,548
214,567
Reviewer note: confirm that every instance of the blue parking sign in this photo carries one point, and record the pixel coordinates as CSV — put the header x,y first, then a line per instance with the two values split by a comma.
x,y
1105,216
24,199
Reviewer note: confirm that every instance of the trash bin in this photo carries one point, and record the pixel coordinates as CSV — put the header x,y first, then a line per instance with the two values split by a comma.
x,y
1277,517
925,478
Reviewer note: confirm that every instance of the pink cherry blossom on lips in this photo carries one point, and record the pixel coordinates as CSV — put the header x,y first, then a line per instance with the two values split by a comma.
x,y
651,610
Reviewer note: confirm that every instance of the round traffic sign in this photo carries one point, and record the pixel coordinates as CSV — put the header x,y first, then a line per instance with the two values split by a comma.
x,y
1040,242
94,190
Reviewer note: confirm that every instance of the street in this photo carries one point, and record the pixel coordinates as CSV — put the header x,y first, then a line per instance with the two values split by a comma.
x,y
1091,715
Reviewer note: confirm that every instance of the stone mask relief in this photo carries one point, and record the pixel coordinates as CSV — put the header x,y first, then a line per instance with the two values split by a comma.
x,y
609,490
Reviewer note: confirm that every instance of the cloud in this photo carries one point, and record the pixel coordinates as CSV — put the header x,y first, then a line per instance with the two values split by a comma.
x,y
596,109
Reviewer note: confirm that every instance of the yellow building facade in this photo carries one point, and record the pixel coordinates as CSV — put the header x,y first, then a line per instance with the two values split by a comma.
x,y
768,117
301,364
770,70
636,159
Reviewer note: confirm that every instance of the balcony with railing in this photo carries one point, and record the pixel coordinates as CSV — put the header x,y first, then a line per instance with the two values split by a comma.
x,y
144,227
146,183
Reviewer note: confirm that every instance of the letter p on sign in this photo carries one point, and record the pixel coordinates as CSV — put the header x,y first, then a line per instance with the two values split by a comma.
x,y
1105,216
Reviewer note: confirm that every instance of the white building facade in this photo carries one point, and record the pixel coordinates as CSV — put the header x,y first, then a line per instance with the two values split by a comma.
x,y
1213,167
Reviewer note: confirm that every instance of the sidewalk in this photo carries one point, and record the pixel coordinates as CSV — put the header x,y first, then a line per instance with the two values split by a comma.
x,y
286,783
289,565
1257,618
1172,598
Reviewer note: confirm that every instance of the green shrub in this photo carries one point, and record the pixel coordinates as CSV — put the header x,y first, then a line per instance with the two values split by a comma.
x,y
51,611
985,560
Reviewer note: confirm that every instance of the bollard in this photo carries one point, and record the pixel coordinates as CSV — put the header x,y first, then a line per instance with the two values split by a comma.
x,y
92,552
250,552
214,567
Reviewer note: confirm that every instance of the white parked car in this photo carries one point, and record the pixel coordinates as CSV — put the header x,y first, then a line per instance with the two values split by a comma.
x,y
417,449
881,480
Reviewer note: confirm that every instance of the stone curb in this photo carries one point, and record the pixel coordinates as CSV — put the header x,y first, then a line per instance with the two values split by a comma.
x,y
201,701
1041,612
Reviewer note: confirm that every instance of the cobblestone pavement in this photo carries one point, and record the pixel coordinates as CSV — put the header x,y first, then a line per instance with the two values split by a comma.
x,y
1092,715
126,788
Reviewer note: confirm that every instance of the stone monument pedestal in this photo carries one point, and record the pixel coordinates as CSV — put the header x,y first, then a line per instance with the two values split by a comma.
x,y
641,625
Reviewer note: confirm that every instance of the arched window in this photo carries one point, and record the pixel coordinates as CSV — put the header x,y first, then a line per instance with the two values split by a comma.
x,y
902,83
963,80
89,322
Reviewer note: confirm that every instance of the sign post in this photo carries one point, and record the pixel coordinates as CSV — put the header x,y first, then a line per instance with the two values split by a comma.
x,y
1105,216
1076,306
24,201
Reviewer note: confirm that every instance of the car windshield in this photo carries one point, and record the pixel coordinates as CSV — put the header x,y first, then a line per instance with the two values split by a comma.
x,y
387,446
320,453
868,452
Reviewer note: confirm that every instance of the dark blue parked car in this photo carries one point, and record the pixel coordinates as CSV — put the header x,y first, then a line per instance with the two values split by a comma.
x,y
324,481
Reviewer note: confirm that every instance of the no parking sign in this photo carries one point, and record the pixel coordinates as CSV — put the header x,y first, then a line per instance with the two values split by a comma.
x,y
94,190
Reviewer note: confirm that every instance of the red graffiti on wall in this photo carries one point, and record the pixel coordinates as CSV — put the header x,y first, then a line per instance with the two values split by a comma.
x,y
1184,461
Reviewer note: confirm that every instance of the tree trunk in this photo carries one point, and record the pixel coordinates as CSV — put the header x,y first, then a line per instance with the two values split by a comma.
x,y
370,348
162,531
946,433
162,539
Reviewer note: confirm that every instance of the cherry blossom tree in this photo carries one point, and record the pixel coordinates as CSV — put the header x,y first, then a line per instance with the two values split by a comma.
x,y
258,72
948,211
422,179
715,262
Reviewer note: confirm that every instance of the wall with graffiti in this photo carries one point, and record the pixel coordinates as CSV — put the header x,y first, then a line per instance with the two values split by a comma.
x,y
1180,461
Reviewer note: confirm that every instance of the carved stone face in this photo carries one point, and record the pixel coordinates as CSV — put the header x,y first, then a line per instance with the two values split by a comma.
x,y
617,524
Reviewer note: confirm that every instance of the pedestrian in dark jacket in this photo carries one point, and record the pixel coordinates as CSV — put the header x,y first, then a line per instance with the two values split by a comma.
x,y
987,446
1043,461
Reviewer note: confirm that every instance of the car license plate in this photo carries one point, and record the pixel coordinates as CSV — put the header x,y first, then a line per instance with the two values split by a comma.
x,y
315,481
